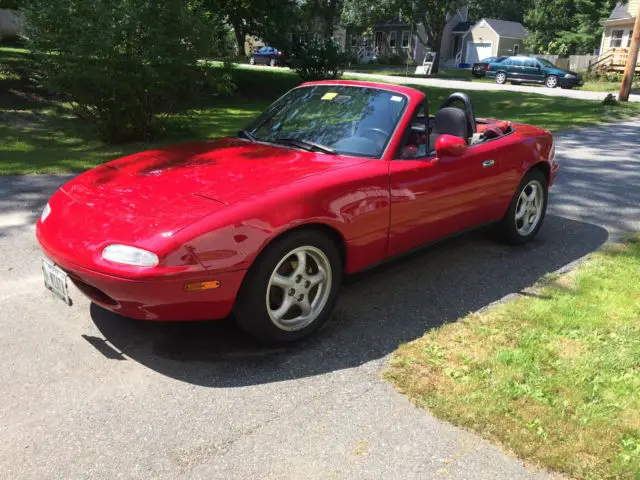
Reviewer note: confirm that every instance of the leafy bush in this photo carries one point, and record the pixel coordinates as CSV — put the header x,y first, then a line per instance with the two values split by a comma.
x,y
121,62
392,60
610,100
319,60
614,77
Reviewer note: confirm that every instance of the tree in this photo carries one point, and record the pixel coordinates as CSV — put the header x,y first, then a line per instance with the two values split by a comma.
x,y
121,62
566,27
11,4
512,10
430,14
267,19
325,12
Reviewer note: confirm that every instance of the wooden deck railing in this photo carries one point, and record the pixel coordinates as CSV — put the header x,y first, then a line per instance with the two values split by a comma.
x,y
611,61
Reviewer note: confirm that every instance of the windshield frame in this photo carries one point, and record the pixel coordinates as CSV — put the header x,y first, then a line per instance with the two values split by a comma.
x,y
254,125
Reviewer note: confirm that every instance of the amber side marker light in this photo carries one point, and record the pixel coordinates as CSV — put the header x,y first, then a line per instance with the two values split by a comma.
x,y
199,286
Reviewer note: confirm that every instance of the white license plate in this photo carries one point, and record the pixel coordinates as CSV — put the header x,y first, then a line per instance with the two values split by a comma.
x,y
55,279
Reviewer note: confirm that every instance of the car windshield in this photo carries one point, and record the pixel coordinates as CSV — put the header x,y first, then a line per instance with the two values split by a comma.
x,y
343,119
546,63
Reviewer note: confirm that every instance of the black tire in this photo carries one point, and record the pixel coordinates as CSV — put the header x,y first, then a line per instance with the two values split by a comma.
x,y
551,81
508,228
252,61
501,78
272,62
250,310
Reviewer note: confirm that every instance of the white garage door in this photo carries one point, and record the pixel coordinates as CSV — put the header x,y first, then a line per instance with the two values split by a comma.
x,y
477,51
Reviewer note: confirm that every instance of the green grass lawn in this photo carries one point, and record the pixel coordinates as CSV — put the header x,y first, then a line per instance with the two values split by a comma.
x,y
553,376
38,135
553,113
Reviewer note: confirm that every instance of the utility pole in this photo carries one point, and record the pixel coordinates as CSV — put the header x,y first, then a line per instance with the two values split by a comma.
x,y
632,60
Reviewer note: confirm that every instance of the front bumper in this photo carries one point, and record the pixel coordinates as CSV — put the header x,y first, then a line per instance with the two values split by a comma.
x,y
570,82
161,299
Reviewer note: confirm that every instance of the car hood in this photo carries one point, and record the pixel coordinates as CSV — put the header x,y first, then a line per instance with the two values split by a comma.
x,y
165,181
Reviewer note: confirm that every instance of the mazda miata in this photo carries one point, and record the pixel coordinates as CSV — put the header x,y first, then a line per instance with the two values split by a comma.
x,y
334,177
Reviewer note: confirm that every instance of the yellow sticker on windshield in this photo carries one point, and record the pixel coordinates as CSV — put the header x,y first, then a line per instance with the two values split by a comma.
x,y
329,96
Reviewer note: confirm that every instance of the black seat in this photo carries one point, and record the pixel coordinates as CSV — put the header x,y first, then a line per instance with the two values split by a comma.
x,y
451,121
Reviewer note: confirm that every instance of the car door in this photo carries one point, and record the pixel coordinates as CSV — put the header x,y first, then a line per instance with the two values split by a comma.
x,y
533,70
516,69
432,197
262,55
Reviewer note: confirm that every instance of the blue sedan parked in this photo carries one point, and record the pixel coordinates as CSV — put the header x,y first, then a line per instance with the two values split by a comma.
x,y
267,56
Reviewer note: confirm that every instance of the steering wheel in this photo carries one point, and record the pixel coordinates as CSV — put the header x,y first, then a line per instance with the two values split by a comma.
x,y
379,131
468,108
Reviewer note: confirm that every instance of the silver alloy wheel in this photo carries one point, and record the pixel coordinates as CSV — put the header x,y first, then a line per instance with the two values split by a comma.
x,y
552,81
529,208
299,288
501,78
252,61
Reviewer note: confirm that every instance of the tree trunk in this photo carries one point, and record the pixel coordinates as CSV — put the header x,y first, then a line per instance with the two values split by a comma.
x,y
240,38
435,44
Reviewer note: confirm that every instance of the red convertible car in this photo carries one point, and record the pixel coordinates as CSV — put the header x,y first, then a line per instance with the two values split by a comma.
x,y
332,178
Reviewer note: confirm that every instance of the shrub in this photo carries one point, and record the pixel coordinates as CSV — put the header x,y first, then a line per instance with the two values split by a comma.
x,y
610,100
392,60
121,62
319,60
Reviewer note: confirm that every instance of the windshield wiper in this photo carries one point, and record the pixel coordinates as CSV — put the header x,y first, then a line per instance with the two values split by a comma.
x,y
305,145
248,135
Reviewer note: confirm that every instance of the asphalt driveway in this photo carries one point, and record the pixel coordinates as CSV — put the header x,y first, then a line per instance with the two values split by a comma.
x,y
87,394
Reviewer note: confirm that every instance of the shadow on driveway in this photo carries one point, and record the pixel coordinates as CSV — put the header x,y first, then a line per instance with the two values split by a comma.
x,y
377,311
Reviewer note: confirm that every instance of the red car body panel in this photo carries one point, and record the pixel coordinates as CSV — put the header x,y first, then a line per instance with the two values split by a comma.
x,y
208,209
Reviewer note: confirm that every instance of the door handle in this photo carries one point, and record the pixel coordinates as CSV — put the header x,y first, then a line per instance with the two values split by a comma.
x,y
488,163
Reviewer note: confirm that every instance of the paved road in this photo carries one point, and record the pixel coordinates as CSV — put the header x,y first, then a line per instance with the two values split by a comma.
x,y
485,86
87,394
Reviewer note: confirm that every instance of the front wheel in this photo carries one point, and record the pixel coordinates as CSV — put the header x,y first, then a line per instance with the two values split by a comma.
x,y
291,289
252,61
551,81
272,62
528,208
501,78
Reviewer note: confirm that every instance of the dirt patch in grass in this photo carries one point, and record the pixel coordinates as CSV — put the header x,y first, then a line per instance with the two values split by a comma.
x,y
554,378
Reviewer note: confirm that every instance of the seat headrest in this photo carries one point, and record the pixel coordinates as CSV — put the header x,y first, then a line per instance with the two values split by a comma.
x,y
451,121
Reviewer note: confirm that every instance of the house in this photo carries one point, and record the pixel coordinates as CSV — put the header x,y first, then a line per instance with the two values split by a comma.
x,y
395,40
492,38
463,41
618,28
616,37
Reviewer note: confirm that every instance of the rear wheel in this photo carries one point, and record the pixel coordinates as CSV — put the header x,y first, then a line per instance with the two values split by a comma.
x,y
528,208
551,81
501,78
291,289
